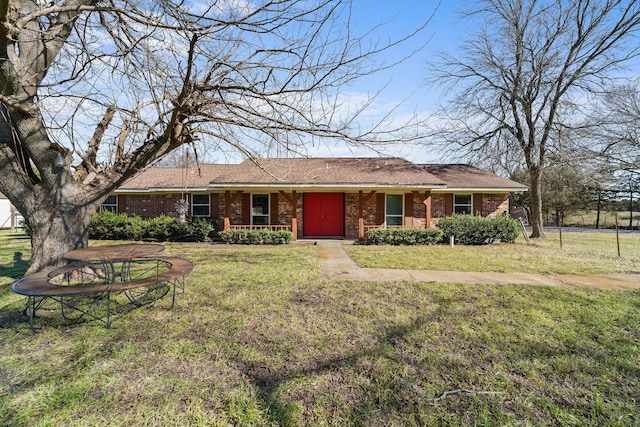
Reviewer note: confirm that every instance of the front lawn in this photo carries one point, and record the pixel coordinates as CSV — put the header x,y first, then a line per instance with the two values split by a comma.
x,y
581,252
259,339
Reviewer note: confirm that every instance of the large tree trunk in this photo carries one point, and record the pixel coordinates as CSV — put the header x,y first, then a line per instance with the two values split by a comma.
x,y
56,230
537,228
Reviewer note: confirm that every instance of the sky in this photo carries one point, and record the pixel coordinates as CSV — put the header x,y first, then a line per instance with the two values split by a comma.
x,y
404,84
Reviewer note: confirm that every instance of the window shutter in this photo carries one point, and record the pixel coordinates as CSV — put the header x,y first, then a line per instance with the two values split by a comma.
x,y
448,204
215,206
380,214
477,204
122,203
246,208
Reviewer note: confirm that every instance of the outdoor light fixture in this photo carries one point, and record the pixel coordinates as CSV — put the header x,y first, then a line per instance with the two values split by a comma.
x,y
59,162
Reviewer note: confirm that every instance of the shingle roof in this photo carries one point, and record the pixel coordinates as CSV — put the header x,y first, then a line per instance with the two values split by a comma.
x,y
465,176
174,177
327,172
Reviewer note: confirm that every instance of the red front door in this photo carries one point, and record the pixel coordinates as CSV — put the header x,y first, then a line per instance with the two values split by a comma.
x,y
323,215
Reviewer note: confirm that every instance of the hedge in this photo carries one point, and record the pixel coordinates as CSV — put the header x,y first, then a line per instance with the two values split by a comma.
x,y
256,237
404,236
111,226
476,230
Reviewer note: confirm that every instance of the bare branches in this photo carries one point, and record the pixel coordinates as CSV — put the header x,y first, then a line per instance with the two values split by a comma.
x,y
528,71
173,73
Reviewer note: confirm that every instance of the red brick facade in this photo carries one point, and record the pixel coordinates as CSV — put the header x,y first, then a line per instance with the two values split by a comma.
x,y
151,205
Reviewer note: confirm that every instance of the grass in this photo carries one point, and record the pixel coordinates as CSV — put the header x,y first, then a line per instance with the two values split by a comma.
x,y
259,339
581,253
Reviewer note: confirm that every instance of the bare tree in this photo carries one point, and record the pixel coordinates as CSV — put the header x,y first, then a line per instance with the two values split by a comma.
x,y
522,81
93,91
616,135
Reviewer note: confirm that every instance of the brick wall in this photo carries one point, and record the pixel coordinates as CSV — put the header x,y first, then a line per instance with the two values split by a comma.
x,y
419,210
148,206
437,206
351,215
495,204
151,205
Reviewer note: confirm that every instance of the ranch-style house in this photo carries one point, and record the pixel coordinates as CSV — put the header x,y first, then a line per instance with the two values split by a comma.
x,y
316,197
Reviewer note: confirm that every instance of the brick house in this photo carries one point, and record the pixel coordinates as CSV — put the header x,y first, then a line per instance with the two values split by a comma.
x,y
317,197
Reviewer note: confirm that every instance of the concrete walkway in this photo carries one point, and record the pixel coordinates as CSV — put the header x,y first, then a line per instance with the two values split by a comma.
x,y
335,263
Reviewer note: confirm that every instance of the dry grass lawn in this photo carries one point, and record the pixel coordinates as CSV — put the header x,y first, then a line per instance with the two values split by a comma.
x,y
259,339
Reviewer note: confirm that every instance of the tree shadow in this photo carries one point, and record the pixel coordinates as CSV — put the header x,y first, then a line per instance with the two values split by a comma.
x,y
17,267
267,380
13,314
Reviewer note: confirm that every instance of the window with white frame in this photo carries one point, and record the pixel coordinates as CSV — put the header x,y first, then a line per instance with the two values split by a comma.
x,y
110,204
393,210
200,205
260,209
462,204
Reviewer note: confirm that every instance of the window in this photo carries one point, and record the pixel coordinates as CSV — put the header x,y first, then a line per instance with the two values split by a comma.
x,y
200,205
110,204
260,209
462,204
394,210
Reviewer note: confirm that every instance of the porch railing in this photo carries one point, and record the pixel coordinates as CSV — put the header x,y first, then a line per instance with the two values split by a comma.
x,y
261,227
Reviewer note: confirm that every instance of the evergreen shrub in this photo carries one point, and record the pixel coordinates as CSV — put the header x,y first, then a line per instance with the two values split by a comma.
x,y
476,230
111,226
256,237
404,236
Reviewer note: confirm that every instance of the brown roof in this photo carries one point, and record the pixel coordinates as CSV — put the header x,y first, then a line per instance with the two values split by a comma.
x,y
160,178
329,172
465,176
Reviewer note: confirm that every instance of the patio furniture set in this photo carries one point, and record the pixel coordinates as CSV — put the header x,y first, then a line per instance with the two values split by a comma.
x,y
93,282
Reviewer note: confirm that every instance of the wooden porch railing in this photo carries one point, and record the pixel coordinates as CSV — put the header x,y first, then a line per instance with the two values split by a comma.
x,y
261,227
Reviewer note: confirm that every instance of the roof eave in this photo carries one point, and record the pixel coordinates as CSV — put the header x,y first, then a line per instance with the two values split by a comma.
x,y
160,190
482,190
321,187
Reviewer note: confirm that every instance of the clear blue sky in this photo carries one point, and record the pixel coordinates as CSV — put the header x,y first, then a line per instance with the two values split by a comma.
x,y
397,18
406,82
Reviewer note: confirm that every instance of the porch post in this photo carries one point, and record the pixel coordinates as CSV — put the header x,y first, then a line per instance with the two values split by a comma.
x,y
294,215
426,201
293,200
227,209
427,210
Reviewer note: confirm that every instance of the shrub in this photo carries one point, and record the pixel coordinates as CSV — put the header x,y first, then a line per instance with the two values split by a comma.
x,y
195,229
256,237
160,228
475,230
111,226
404,236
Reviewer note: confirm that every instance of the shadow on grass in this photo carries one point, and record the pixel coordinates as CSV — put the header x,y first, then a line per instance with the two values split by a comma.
x,y
17,268
13,314
267,380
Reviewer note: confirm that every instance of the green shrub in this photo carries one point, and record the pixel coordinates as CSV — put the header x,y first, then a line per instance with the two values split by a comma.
x,y
160,228
404,236
256,237
195,229
111,226
476,230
